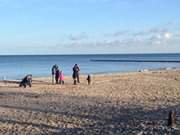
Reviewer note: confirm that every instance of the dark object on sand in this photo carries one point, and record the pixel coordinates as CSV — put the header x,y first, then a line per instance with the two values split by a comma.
x,y
171,119
27,80
89,79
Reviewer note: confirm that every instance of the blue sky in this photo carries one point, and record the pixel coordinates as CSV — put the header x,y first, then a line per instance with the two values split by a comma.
x,y
89,26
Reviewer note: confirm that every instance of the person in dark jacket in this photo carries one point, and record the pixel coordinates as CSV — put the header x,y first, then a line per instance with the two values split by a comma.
x,y
57,76
53,72
27,80
76,71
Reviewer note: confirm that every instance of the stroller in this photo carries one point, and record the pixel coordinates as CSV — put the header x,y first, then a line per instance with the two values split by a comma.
x,y
27,80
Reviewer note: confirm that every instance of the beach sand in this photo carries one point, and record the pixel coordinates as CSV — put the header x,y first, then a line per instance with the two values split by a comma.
x,y
114,104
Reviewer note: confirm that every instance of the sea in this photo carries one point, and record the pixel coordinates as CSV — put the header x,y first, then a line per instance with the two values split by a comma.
x,y
17,66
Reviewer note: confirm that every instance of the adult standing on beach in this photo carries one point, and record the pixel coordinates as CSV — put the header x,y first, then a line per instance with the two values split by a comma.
x,y
53,71
76,71
57,76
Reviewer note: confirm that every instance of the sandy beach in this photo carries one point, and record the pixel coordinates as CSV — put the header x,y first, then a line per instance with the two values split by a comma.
x,y
134,103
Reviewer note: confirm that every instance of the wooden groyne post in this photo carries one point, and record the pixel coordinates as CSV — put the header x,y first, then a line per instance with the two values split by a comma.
x,y
171,118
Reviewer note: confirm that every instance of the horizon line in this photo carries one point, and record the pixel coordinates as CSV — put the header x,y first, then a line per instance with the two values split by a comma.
x,y
86,54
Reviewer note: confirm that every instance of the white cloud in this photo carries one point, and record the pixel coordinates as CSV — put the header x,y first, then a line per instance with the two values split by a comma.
x,y
77,37
117,33
121,38
167,35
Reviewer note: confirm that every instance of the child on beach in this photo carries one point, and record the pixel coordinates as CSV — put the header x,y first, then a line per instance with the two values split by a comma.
x,y
89,79
61,77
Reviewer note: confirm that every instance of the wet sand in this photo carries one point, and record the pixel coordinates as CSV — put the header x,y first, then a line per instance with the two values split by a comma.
x,y
114,104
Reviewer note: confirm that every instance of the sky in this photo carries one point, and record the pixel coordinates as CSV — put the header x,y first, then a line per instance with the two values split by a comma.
x,y
89,26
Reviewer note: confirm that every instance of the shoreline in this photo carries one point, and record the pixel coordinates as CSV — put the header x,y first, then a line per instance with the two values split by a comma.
x,y
105,73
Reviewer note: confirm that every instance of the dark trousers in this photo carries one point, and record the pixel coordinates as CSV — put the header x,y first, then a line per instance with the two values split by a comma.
x,y
78,78
57,80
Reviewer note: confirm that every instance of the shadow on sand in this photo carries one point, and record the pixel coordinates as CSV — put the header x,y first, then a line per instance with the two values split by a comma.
x,y
98,116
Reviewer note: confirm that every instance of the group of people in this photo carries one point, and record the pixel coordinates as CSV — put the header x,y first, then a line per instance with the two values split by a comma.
x,y
58,76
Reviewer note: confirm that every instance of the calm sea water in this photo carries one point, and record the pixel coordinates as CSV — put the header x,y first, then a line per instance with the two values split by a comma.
x,y
15,67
